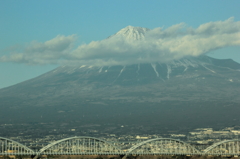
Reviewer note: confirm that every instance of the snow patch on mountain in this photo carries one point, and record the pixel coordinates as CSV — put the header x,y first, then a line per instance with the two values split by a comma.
x,y
82,66
121,71
100,70
169,70
208,68
132,33
155,70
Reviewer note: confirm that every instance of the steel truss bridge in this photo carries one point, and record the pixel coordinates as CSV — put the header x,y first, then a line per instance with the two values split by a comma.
x,y
84,145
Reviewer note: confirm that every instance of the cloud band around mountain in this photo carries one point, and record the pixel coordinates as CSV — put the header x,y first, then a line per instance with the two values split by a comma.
x,y
158,45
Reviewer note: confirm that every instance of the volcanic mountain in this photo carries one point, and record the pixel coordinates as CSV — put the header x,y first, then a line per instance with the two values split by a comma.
x,y
199,91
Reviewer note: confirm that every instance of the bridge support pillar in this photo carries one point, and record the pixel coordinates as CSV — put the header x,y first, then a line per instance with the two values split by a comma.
x,y
36,157
123,156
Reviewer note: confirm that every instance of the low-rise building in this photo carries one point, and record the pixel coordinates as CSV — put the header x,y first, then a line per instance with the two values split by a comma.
x,y
235,132
178,135
141,137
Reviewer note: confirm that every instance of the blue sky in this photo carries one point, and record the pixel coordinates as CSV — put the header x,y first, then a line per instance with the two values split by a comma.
x,y
23,22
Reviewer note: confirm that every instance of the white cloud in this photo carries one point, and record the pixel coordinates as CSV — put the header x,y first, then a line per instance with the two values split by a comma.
x,y
159,45
49,52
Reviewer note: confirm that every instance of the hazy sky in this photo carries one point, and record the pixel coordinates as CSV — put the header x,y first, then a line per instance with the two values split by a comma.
x,y
36,35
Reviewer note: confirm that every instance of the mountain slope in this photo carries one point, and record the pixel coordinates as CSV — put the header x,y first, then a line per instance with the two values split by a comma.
x,y
189,72
192,91
195,85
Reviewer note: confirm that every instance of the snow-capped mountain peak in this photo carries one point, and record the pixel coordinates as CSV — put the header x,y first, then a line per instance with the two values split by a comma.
x,y
132,33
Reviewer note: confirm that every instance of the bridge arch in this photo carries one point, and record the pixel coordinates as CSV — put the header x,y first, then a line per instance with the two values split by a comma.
x,y
163,146
10,147
227,147
82,145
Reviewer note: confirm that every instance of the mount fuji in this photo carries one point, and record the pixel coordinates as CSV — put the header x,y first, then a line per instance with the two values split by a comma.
x,y
191,91
131,33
